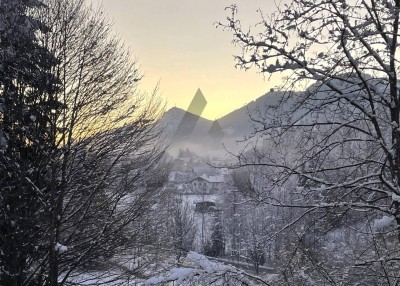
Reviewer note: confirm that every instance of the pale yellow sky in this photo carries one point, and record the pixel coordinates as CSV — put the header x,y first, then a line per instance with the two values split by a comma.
x,y
176,43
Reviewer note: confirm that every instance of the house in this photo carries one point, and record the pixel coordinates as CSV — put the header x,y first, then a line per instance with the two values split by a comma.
x,y
207,184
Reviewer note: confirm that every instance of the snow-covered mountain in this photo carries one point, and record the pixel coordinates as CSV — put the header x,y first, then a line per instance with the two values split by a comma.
x,y
235,126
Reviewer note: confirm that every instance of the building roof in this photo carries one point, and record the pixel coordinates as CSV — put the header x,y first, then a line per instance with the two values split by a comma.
x,y
211,179
215,179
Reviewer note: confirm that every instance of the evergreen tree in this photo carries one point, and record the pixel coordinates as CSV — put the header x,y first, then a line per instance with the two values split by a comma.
x,y
27,107
216,246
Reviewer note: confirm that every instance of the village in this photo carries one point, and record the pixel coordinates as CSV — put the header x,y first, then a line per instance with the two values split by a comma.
x,y
200,186
196,176
215,205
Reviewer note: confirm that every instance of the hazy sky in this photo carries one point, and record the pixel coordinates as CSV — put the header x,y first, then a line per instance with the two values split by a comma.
x,y
176,43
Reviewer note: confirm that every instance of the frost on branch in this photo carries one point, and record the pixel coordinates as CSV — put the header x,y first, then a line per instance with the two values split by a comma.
x,y
60,248
395,198
385,221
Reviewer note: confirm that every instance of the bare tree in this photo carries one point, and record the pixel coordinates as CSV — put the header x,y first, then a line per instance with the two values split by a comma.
x,y
254,223
106,141
175,224
343,131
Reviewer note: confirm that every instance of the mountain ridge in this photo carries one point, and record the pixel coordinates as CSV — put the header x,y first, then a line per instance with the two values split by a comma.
x,y
235,125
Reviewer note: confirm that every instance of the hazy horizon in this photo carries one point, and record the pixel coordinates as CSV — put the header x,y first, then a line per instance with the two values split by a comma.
x,y
176,43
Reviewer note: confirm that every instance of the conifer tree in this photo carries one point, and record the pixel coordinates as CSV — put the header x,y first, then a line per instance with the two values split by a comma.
x,y
27,106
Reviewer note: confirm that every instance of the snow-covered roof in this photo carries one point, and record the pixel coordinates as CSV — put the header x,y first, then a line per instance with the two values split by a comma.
x,y
211,179
214,179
